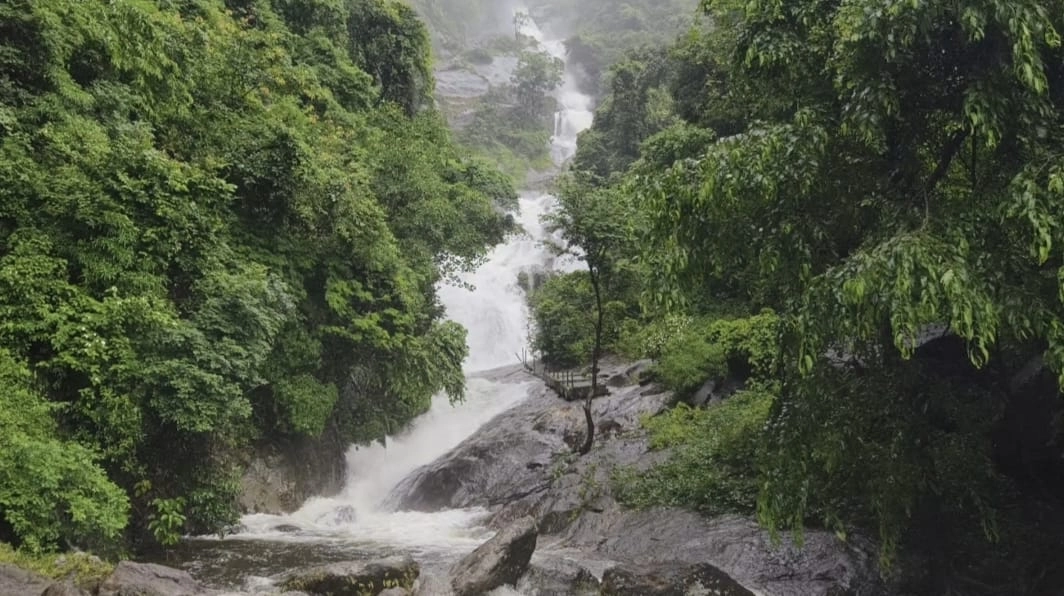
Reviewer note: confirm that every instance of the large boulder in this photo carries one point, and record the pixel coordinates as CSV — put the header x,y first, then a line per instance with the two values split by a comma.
x,y
66,588
355,578
15,580
515,460
149,579
499,561
280,476
550,575
734,544
670,579
520,465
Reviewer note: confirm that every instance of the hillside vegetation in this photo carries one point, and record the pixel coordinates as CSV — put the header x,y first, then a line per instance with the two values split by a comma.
x,y
220,222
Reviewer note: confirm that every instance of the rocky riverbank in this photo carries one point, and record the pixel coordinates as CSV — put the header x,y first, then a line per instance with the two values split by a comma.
x,y
521,464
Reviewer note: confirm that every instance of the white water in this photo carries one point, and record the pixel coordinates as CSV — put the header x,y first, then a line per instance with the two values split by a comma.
x,y
495,315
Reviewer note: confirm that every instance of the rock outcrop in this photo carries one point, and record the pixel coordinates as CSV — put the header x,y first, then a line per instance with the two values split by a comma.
x,y
522,464
15,580
355,578
670,579
66,588
279,477
149,579
551,575
500,561
511,462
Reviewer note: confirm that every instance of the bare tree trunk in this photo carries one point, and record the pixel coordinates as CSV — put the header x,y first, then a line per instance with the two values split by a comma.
x,y
596,352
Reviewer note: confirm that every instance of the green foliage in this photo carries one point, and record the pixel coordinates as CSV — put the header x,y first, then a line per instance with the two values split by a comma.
x,y
601,32
167,520
387,40
536,75
687,360
205,240
51,491
713,456
691,350
869,172
562,310
512,123
85,570
308,403
931,436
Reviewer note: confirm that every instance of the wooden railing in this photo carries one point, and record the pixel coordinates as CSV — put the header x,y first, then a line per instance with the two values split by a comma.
x,y
569,385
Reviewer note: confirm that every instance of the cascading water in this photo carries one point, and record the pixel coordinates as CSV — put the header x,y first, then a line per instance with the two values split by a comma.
x,y
495,315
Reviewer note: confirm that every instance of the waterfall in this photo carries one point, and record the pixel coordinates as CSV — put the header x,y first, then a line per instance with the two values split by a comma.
x,y
495,315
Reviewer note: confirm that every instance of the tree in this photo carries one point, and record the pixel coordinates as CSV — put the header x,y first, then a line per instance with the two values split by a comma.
x,y
588,221
536,75
387,40
521,20
912,177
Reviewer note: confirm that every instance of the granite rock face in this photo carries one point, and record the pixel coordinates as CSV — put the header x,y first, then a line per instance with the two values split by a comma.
x,y
521,464
500,561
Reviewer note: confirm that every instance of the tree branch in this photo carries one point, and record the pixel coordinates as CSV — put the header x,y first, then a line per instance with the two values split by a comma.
x,y
945,159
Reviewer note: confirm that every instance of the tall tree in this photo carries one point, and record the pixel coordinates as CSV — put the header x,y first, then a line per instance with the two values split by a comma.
x,y
908,172
590,224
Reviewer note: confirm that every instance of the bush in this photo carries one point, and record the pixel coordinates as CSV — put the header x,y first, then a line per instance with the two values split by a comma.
x,y
563,312
691,350
86,571
713,467
563,309
52,493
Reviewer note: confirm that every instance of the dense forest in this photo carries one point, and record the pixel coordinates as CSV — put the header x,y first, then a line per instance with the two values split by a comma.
x,y
847,217
220,223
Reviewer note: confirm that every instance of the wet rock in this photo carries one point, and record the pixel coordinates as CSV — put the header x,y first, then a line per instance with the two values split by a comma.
x,y
704,393
735,545
638,370
499,561
492,467
608,427
15,580
286,528
488,469
460,83
552,575
355,578
66,588
279,477
630,375
670,579
149,579
519,465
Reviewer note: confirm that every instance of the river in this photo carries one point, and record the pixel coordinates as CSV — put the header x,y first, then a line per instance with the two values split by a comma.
x,y
358,523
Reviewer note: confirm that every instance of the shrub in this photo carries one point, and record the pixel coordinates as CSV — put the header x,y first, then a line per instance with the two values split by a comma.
x,y
713,464
52,493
